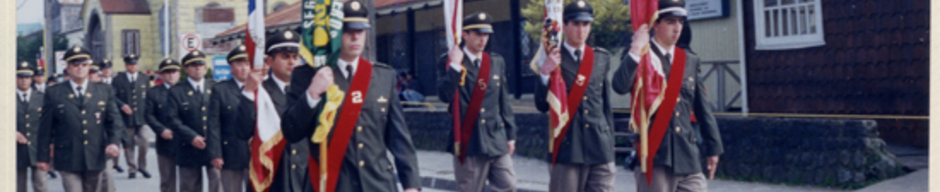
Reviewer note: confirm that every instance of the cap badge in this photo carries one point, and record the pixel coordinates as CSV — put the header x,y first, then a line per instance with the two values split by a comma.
x,y
354,5
482,16
288,35
581,4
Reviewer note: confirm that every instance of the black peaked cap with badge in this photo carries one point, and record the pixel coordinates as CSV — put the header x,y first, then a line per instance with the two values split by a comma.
x,y
168,65
194,58
479,22
237,54
24,70
76,54
131,59
672,8
355,16
579,11
282,41
39,72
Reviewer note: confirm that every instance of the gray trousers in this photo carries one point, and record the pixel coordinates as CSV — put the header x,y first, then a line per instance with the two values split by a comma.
x,y
107,177
83,181
663,181
167,167
139,144
234,180
577,177
191,179
475,171
38,178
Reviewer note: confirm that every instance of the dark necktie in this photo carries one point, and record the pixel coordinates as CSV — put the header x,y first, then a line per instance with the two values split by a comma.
x,y
349,71
577,56
81,97
476,63
23,99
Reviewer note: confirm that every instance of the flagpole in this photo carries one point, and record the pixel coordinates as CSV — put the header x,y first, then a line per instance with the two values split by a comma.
x,y
166,28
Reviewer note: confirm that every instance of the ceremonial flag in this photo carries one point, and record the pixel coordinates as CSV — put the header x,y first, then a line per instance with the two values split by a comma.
x,y
268,142
557,97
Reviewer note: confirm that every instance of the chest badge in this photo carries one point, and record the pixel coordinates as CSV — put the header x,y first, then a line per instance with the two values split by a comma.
x,y
580,80
101,103
495,77
382,99
190,93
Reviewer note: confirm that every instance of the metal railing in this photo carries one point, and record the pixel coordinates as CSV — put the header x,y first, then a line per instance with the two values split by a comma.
x,y
721,70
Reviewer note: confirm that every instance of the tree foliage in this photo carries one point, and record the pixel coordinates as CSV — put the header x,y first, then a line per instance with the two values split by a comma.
x,y
611,21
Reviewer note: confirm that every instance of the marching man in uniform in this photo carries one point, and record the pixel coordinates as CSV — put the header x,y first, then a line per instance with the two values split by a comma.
x,y
188,109
131,87
228,152
28,113
371,121
583,152
82,120
487,124
159,120
676,164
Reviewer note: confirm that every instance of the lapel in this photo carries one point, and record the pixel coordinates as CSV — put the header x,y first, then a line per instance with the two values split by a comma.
x,y
34,99
191,88
89,93
207,91
667,66
472,70
338,78
569,66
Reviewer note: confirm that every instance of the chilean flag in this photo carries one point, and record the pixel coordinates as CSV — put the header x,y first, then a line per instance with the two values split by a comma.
x,y
268,142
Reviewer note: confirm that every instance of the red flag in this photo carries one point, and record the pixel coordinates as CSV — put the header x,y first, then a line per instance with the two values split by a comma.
x,y
648,84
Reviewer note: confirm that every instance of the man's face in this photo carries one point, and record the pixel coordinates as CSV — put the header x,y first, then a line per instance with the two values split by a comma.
x,y
353,42
577,32
39,79
131,67
23,83
475,40
79,70
240,70
668,30
171,77
196,71
282,63
106,72
94,77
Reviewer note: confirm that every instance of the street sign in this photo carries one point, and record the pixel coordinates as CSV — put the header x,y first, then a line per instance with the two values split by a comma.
x,y
59,63
189,42
220,68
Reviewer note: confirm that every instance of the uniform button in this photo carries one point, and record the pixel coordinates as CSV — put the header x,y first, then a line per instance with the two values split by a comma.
x,y
383,109
483,110
678,99
678,129
27,116
135,108
85,131
229,107
84,122
483,121
135,97
204,118
225,143
29,142
293,152
585,111
693,140
86,142
359,129
587,125
362,163
203,108
27,125
27,134
677,114
361,145
693,88
83,112
204,127
584,98
293,166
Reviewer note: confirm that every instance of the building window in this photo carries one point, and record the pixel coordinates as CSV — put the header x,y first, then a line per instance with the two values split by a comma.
x,y
788,24
131,41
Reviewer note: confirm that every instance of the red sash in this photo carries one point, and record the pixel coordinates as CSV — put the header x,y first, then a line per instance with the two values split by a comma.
x,y
344,128
580,84
660,123
463,131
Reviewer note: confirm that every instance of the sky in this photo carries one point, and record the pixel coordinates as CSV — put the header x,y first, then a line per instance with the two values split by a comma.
x,y
30,11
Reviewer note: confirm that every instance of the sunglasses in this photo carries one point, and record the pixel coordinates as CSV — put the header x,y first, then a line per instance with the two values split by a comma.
x,y
85,63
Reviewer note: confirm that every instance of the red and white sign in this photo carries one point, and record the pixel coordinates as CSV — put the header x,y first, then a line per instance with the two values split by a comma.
x,y
189,42
59,63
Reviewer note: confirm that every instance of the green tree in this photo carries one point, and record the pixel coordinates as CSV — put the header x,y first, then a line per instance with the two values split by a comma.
x,y
611,21
27,47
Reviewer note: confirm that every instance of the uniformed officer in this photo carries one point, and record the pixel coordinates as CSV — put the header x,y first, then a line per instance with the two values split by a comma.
x,y
107,76
131,87
492,131
677,163
28,112
584,160
107,178
229,153
159,120
188,109
380,125
82,120
291,174
94,75
39,79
